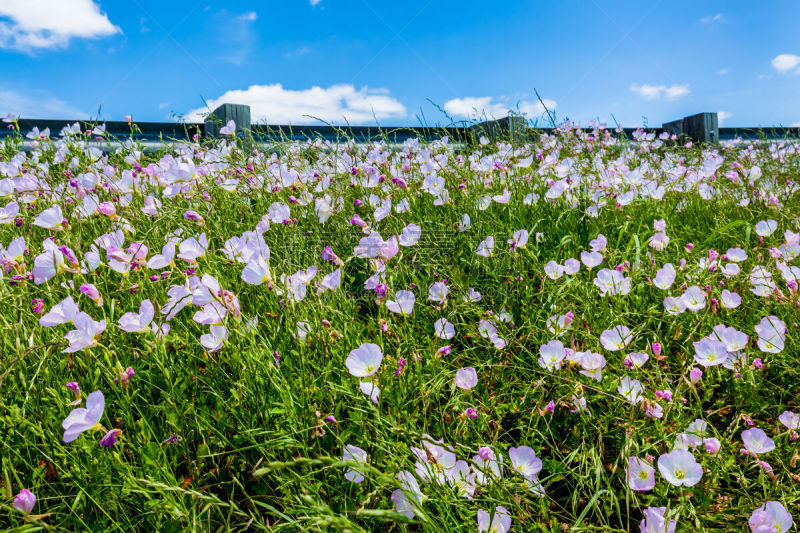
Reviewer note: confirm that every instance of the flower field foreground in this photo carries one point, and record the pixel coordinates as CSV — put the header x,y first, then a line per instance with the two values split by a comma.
x,y
582,333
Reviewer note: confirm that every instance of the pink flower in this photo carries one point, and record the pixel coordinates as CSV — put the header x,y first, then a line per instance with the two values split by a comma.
x,y
24,501
466,378
500,522
365,360
641,476
680,468
770,518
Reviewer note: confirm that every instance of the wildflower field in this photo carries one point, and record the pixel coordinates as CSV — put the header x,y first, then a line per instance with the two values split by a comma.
x,y
581,332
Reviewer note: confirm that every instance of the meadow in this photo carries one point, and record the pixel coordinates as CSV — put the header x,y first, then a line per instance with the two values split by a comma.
x,y
580,332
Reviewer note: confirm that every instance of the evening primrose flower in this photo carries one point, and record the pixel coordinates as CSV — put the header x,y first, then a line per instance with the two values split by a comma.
x,y
630,389
371,390
228,129
765,228
710,352
591,259
489,466
365,360
64,312
138,322
91,291
24,501
598,244
410,235
82,419
500,522
256,271
524,461
694,298
616,338
772,517
612,282
553,270
403,303
215,338
654,521
437,292
486,247
641,476
444,329
85,334
110,438
665,277
659,241
790,419
358,455
680,468
519,239
51,218
551,355
757,442
466,378
771,334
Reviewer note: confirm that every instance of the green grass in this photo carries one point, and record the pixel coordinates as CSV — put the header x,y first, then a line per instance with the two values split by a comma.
x,y
254,449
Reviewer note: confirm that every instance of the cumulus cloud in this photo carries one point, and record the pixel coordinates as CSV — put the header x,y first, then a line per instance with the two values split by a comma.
x,y
785,62
37,104
713,18
272,104
656,92
722,116
314,2
28,25
487,106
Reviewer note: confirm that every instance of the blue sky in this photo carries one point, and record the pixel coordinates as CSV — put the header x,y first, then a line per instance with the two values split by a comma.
x,y
360,59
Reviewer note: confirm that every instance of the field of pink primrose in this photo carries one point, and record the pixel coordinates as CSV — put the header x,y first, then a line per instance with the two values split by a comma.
x,y
577,333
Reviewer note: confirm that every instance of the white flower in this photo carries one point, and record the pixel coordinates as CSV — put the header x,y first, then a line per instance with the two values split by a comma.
x,y
355,454
616,338
466,378
444,329
551,355
365,360
665,277
403,303
499,523
486,247
138,322
765,228
371,390
772,517
630,389
771,334
756,441
680,468
437,292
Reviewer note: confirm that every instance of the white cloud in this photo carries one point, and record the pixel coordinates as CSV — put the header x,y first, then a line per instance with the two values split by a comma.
x,y
314,2
37,104
30,24
486,106
338,104
722,71
722,116
713,18
785,62
656,92
796,124
250,16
